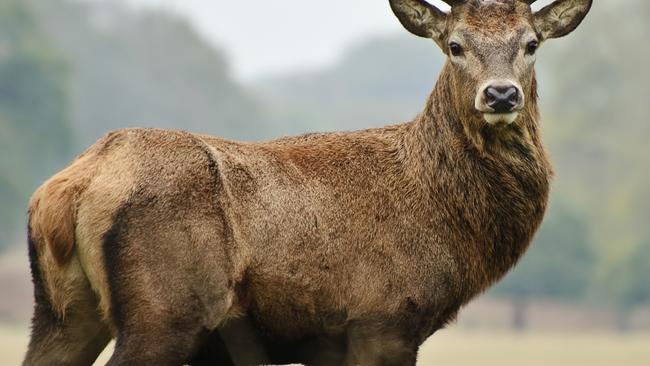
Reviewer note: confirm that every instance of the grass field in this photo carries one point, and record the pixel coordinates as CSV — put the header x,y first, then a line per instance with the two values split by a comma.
x,y
464,348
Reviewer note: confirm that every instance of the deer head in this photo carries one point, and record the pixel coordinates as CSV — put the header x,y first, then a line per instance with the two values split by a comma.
x,y
491,46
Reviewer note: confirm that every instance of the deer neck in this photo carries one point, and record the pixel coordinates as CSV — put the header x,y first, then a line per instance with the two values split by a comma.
x,y
493,185
453,131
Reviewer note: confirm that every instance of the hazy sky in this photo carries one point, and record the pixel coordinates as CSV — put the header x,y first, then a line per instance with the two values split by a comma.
x,y
262,36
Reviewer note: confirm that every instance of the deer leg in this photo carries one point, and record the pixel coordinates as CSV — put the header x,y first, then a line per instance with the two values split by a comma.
x,y
74,340
160,346
162,331
376,345
165,327
169,282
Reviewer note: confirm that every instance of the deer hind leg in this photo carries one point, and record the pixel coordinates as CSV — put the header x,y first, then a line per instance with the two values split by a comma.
x,y
162,320
165,343
169,329
74,339
169,285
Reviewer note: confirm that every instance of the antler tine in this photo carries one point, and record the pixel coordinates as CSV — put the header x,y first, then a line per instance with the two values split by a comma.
x,y
453,2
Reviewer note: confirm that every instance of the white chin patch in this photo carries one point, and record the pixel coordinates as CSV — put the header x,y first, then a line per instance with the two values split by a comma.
x,y
500,118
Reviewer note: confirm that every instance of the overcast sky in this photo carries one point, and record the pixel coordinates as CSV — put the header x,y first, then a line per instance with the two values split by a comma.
x,y
271,36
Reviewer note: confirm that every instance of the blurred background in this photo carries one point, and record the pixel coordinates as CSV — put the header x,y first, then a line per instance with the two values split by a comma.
x,y
71,70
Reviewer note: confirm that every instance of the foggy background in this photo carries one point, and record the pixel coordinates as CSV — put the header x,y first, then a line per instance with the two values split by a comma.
x,y
72,70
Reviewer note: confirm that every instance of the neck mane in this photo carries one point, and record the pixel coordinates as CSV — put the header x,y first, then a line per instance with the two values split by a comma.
x,y
492,182
446,117
448,130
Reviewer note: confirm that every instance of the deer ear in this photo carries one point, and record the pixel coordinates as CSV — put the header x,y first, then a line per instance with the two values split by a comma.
x,y
421,18
561,17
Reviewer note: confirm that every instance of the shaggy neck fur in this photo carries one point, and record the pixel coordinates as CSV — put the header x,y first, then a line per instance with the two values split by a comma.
x,y
491,182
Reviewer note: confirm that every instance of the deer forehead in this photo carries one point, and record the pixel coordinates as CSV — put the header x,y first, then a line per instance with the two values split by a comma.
x,y
493,34
492,19
502,42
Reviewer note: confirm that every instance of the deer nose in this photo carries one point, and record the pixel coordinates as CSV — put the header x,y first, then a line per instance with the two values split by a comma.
x,y
502,98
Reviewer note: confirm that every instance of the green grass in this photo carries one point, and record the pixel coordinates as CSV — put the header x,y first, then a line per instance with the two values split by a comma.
x,y
464,348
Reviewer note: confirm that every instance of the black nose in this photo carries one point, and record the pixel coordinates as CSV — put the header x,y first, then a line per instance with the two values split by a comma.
x,y
502,98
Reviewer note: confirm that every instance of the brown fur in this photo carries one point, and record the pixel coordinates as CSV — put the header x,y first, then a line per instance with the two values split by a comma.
x,y
53,219
339,248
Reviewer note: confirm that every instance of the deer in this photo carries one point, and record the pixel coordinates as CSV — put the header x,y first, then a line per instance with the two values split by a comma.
x,y
363,243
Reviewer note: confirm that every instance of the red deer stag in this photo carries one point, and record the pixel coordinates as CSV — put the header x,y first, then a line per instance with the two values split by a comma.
x,y
369,241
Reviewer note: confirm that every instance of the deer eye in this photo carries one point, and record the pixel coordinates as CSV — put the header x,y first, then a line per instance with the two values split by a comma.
x,y
531,47
455,49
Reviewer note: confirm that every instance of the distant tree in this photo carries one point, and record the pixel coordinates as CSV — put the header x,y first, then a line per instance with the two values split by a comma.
x,y
145,68
629,283
34,133
377,82
598,136
559,265
635,287
10,199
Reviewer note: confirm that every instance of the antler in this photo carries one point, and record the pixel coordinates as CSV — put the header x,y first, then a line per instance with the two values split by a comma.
x,y
459,2
453,2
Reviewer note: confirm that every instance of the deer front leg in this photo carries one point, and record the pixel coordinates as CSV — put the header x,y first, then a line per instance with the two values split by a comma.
x,y
378,345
